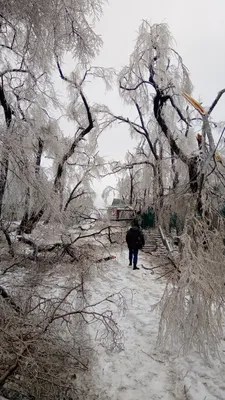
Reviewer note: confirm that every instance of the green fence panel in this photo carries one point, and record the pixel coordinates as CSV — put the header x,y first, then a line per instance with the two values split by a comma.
x,y
148,219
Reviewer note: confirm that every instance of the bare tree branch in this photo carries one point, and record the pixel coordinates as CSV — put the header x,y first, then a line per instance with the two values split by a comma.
x,y
211,108
145,131
78,138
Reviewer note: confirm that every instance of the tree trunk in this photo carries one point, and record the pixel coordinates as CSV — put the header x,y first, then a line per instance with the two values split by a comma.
x,y
160,177
193,162
5,153
195,185
175,172
28,222
38,157
131,189
25,219
4,167
33,220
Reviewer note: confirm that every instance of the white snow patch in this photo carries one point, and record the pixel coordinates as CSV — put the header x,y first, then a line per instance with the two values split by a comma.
x,y
138,370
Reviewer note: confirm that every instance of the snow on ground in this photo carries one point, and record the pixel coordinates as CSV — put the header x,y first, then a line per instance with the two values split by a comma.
x,y
137,370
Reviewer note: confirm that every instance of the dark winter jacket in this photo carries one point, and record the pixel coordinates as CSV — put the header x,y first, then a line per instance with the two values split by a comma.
x,y
135,238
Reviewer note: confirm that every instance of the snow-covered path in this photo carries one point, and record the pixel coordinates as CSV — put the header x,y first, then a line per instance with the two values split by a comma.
x,y
135,370
138,371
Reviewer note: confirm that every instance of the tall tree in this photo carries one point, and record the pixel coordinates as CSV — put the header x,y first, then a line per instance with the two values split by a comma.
x,y
157,84
34,38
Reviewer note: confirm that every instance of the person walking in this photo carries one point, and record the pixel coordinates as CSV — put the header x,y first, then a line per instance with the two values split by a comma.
x,y
135,241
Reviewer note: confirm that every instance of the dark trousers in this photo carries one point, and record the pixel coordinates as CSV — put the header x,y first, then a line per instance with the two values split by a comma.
x,y
133,256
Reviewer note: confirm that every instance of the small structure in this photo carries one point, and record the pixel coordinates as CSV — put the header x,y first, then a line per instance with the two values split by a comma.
x,y
120,211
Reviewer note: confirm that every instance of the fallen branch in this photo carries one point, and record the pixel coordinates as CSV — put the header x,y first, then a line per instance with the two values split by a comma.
x,y
166,273
149,355
174,264
7,269
106,259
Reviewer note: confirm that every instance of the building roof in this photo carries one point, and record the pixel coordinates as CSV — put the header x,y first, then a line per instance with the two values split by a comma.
x,y
120,204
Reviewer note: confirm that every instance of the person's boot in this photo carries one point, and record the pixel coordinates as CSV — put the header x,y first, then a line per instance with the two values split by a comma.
x,y
135,266
130,264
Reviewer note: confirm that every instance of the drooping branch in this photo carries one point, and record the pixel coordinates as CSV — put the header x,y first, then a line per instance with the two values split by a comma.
x,y
205,166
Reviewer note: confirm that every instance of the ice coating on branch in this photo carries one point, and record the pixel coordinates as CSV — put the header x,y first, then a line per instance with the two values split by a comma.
x,y
155,59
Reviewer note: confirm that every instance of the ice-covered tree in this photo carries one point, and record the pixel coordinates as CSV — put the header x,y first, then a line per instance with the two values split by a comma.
x,y
34,38
183,142
157,84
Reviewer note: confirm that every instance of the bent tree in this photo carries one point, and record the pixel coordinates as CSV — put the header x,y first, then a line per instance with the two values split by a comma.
x,y
157,84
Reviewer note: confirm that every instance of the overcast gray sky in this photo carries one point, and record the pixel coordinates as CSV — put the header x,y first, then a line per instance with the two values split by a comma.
x,y
199,31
